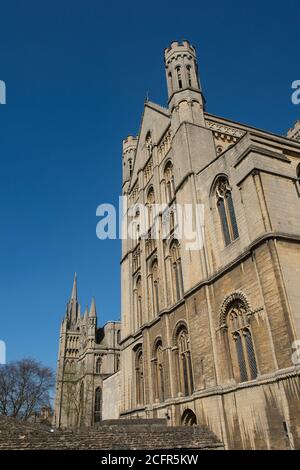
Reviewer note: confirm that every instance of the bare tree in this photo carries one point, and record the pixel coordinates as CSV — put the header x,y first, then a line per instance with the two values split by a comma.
x,y
25,387
77,399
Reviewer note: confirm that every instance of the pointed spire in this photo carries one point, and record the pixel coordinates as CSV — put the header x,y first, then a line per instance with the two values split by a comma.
x,y
93,312
74,289
86,314
73,306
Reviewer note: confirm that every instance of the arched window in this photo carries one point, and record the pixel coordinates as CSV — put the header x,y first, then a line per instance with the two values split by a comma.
x,y
170,82
298,174
139,374
189,75
188,418
138,307
226,210
154,279
179,77
184,362
149,145
158,372
169,181
98,365
241,344
176,270
150,208
98,405
130,166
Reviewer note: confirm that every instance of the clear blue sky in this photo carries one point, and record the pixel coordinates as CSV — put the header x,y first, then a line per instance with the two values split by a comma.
x,y
77,73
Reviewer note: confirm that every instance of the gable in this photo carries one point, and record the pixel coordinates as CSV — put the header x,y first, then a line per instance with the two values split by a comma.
x,y
155,121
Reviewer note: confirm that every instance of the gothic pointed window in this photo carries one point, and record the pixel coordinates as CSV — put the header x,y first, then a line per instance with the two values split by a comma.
x,y
184,362
179,77
151,207
139,374
188,418
98,405
170,82
130,166
189,75
98,365
176,270
154,279
158,366
226,210
241,343
149,145
169,181
138,301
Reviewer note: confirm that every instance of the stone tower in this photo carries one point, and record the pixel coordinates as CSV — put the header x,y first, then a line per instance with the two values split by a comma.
x,y
186,101
208,334
87,355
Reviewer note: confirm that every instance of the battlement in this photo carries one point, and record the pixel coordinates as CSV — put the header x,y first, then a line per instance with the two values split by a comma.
x,y
178,48
129,143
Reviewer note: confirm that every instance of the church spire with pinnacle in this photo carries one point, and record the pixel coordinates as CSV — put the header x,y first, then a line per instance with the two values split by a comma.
x,y
73,310
74,289
93,311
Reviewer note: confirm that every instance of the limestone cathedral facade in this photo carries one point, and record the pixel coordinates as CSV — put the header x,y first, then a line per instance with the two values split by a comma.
x,y
208,335
87,355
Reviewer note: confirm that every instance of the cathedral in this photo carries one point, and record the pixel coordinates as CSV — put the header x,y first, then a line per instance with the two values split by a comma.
x,y
208,335
87,355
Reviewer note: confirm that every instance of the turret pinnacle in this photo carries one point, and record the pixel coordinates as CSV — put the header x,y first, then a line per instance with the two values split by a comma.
x,y
73,311
93,312
74,289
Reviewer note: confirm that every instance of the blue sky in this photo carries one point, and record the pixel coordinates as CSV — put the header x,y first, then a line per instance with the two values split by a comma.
x,y
77,74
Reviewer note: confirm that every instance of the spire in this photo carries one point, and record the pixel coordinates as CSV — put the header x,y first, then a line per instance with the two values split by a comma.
x,y
74,289
85,314
73,307
93,312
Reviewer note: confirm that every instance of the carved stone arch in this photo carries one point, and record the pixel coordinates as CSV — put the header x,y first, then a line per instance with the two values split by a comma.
x,y
137,347
213,187
157,341
183,103
188,418
149,143
138,352
150,192
237,295
151,260
167,164
181,324
137,279
172,241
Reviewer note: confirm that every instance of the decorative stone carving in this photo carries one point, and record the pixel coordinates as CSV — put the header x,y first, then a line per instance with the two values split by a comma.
x,y
164,145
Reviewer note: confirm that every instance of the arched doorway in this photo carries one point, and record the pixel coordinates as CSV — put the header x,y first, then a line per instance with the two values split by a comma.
x,y
188,418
